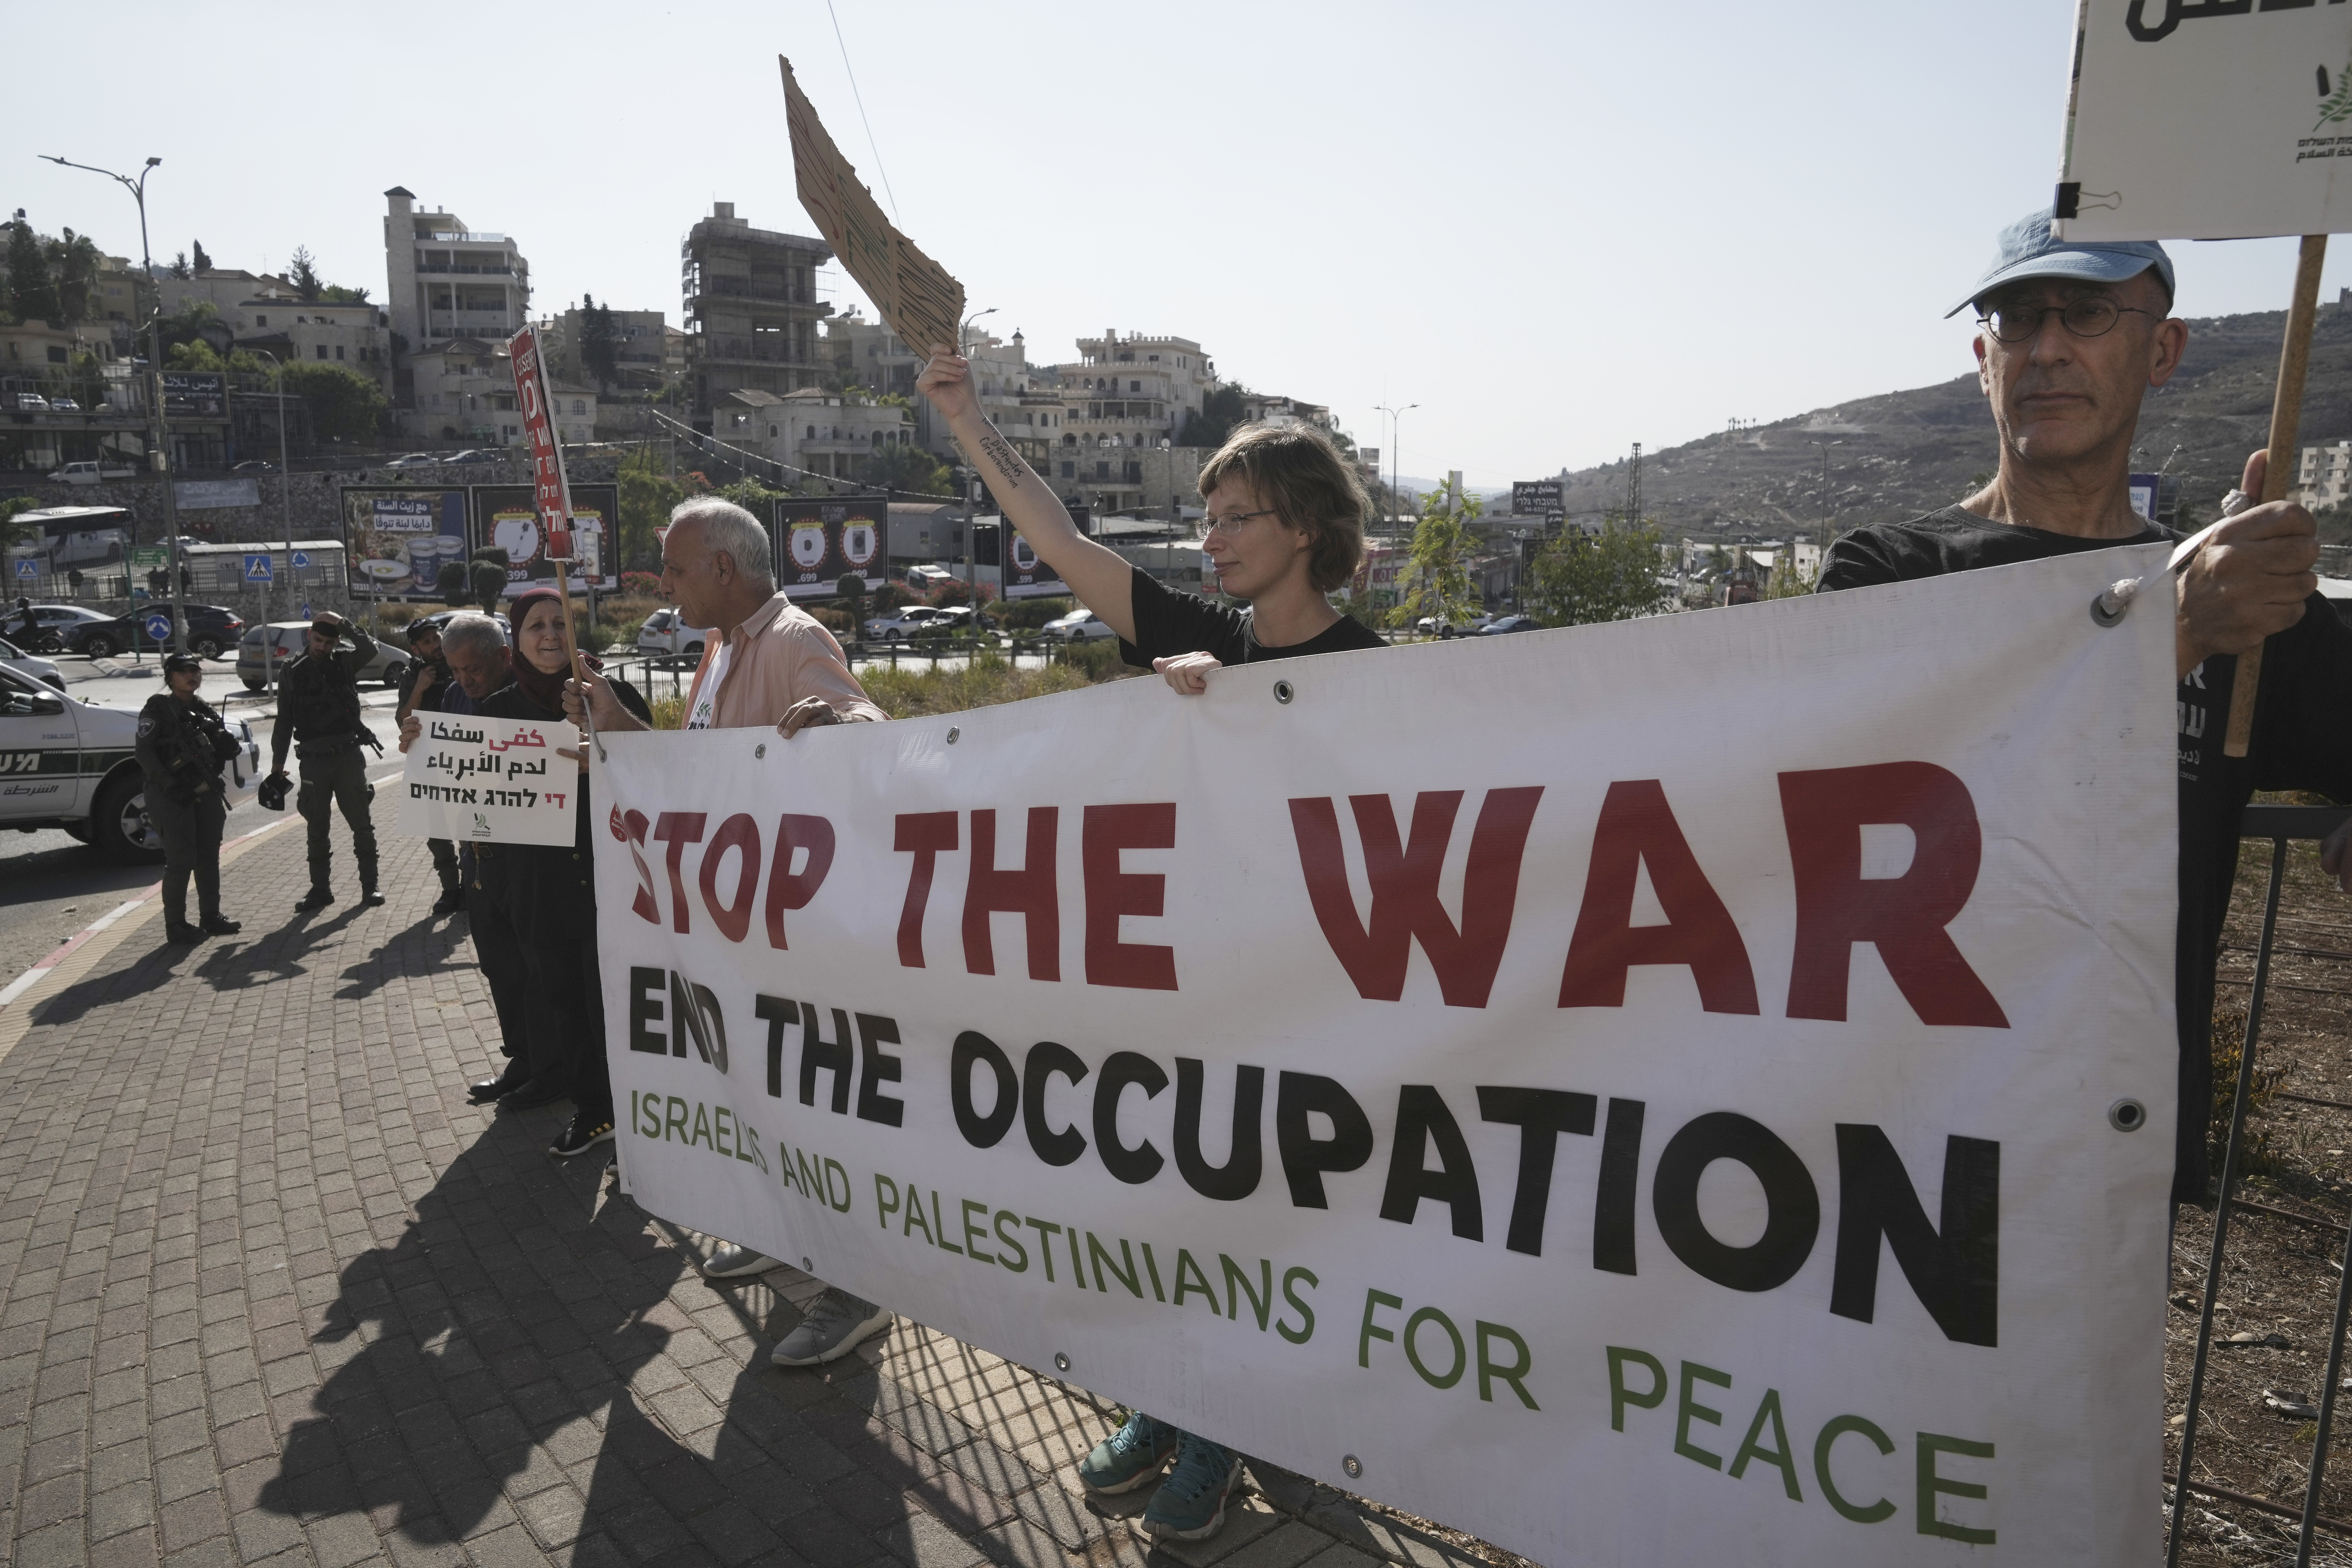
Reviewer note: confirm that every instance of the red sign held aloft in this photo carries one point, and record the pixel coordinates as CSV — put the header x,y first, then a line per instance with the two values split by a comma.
x,y
551,490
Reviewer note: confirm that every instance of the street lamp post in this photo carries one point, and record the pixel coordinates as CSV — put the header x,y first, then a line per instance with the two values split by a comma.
x,y
1825,447
1396,438
159,451
286,516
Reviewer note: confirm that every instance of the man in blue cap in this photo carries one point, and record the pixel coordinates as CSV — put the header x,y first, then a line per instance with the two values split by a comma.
x,y
2070,338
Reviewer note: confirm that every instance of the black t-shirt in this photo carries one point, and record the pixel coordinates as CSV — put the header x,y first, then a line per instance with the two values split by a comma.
x,y
2302,740
1168,623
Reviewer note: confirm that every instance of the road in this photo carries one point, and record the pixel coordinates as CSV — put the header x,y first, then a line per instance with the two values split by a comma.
x,y
52,885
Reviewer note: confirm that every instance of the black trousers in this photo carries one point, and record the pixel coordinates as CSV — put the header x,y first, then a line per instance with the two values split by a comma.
x,y
192,845
498,947
337,779
556,909
444,862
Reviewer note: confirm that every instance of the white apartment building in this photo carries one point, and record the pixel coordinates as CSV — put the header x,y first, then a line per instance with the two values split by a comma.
x,y
465,391
641,351
1126,397
264,313
2324,477
820,431
445,280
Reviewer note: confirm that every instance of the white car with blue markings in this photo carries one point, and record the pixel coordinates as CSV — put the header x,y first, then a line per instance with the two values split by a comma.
x,y
68,764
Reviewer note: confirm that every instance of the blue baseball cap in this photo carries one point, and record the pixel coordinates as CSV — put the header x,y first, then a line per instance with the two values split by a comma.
x,y
2027,250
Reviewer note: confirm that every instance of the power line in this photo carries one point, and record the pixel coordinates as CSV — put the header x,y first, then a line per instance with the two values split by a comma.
x,y
871,145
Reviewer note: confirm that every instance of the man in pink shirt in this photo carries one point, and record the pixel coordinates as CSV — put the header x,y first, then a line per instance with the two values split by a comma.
x,y
771,663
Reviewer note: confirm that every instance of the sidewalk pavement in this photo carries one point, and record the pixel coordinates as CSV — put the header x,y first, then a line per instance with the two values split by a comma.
x,y
275,1293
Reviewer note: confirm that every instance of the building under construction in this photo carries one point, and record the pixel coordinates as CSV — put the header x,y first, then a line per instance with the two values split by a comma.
x,y
751,308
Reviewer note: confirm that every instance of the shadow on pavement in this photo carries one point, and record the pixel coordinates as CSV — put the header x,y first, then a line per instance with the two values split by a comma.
x,y
422,950
256,957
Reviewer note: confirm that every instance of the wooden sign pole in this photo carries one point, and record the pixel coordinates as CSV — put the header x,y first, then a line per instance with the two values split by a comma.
x,y
2278,472
571,649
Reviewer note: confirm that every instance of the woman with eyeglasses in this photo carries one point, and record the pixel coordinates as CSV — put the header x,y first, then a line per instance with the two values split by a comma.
x,y
550,891
1285,528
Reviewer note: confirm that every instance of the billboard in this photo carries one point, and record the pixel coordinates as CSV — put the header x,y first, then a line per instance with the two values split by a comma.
x,y
1534,498
819,542
507,516
195,395
1022,575
396,538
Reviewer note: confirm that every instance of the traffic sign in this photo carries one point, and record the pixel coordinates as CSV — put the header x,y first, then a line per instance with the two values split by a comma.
x,y
28,567
148,555
158,627
258,568
301,559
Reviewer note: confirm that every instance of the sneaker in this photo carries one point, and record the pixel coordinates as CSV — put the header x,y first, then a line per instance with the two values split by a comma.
x,y
1129,1456
732,1262
1191,1503
837,1323
316,898
220,925
583,1134
370,898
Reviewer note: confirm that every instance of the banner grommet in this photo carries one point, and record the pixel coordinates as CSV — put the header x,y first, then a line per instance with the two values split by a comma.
x,y
2126,1115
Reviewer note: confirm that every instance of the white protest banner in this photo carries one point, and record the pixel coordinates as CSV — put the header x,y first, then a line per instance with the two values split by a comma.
x,y
1696,1089
2207,120
490,781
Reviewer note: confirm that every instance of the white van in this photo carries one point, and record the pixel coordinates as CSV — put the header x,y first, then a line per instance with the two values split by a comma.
x,y
68,764
90,473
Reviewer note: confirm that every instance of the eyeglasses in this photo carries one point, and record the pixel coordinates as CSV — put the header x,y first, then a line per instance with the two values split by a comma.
x,y
1233,522
2091,316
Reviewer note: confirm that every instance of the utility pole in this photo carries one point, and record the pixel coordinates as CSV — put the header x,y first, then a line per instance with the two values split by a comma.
x,y
1396,440
158,452
286,518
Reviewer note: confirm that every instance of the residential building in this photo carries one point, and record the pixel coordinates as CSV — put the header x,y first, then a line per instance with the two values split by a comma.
x,y
640,348
2325,477
822,432
465,391
1268,408
751,311
1126,401
267,313
445,280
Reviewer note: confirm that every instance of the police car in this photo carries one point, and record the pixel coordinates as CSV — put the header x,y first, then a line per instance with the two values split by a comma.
x,y
68,764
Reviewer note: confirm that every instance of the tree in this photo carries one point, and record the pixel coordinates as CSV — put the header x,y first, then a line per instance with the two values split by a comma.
x,y
344,406
648,497
1209,425
599,351
907,467
31,296
179,266
1440,577
73,262
1610,577
303,274
11,530
202,262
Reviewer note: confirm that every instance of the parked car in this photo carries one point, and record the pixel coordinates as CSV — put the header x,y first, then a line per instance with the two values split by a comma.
x,y
90,473
254,466
665,634
213,630
31,403
1430,626
476,455
51,626
64,405
18,659
68,764
286,639
956,618
1507,625
1078,625
900,625
922,579
413,460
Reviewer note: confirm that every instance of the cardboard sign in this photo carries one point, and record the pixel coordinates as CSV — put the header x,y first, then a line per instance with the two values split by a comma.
x,y
489,781
1634,1140
2208,119
550,491
922,304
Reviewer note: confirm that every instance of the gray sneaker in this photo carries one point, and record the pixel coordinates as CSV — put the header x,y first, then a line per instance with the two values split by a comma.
x,y
837,1322
732,1262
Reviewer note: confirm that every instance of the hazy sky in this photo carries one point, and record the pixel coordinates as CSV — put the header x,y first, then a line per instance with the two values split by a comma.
x,y
1559,228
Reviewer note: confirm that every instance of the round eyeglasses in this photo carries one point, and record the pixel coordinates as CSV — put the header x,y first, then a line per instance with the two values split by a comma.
x,y
2091,316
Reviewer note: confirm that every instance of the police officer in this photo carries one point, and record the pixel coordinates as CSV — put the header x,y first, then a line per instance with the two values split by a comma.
x,y
318,717
424,682
182,744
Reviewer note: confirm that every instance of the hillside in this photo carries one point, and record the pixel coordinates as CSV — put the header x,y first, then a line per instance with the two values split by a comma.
x,y
1908,452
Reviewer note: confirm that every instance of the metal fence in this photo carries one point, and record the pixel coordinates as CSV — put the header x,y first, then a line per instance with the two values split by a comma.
x,y
2282,825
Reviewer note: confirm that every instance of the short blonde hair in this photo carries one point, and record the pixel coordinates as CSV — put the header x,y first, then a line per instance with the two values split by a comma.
x,y
1297,470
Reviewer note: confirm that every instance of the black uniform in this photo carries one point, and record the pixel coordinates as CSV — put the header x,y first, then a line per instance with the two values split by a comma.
x,y
181,747
319,717
429,700
549,894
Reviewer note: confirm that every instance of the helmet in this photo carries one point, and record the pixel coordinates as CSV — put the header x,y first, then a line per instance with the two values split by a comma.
x,y
272,793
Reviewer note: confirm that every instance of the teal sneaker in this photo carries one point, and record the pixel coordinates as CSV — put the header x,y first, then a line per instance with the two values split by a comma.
x,y
1191,1503
1129,1457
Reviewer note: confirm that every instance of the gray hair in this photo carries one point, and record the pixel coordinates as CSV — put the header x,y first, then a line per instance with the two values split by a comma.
x,y
472,631
726,526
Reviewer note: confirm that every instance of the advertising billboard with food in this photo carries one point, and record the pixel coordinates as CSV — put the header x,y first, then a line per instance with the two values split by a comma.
x,y
398,538
818,542
509,519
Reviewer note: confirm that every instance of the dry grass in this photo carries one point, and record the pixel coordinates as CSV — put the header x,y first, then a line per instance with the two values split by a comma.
x,y
909,692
